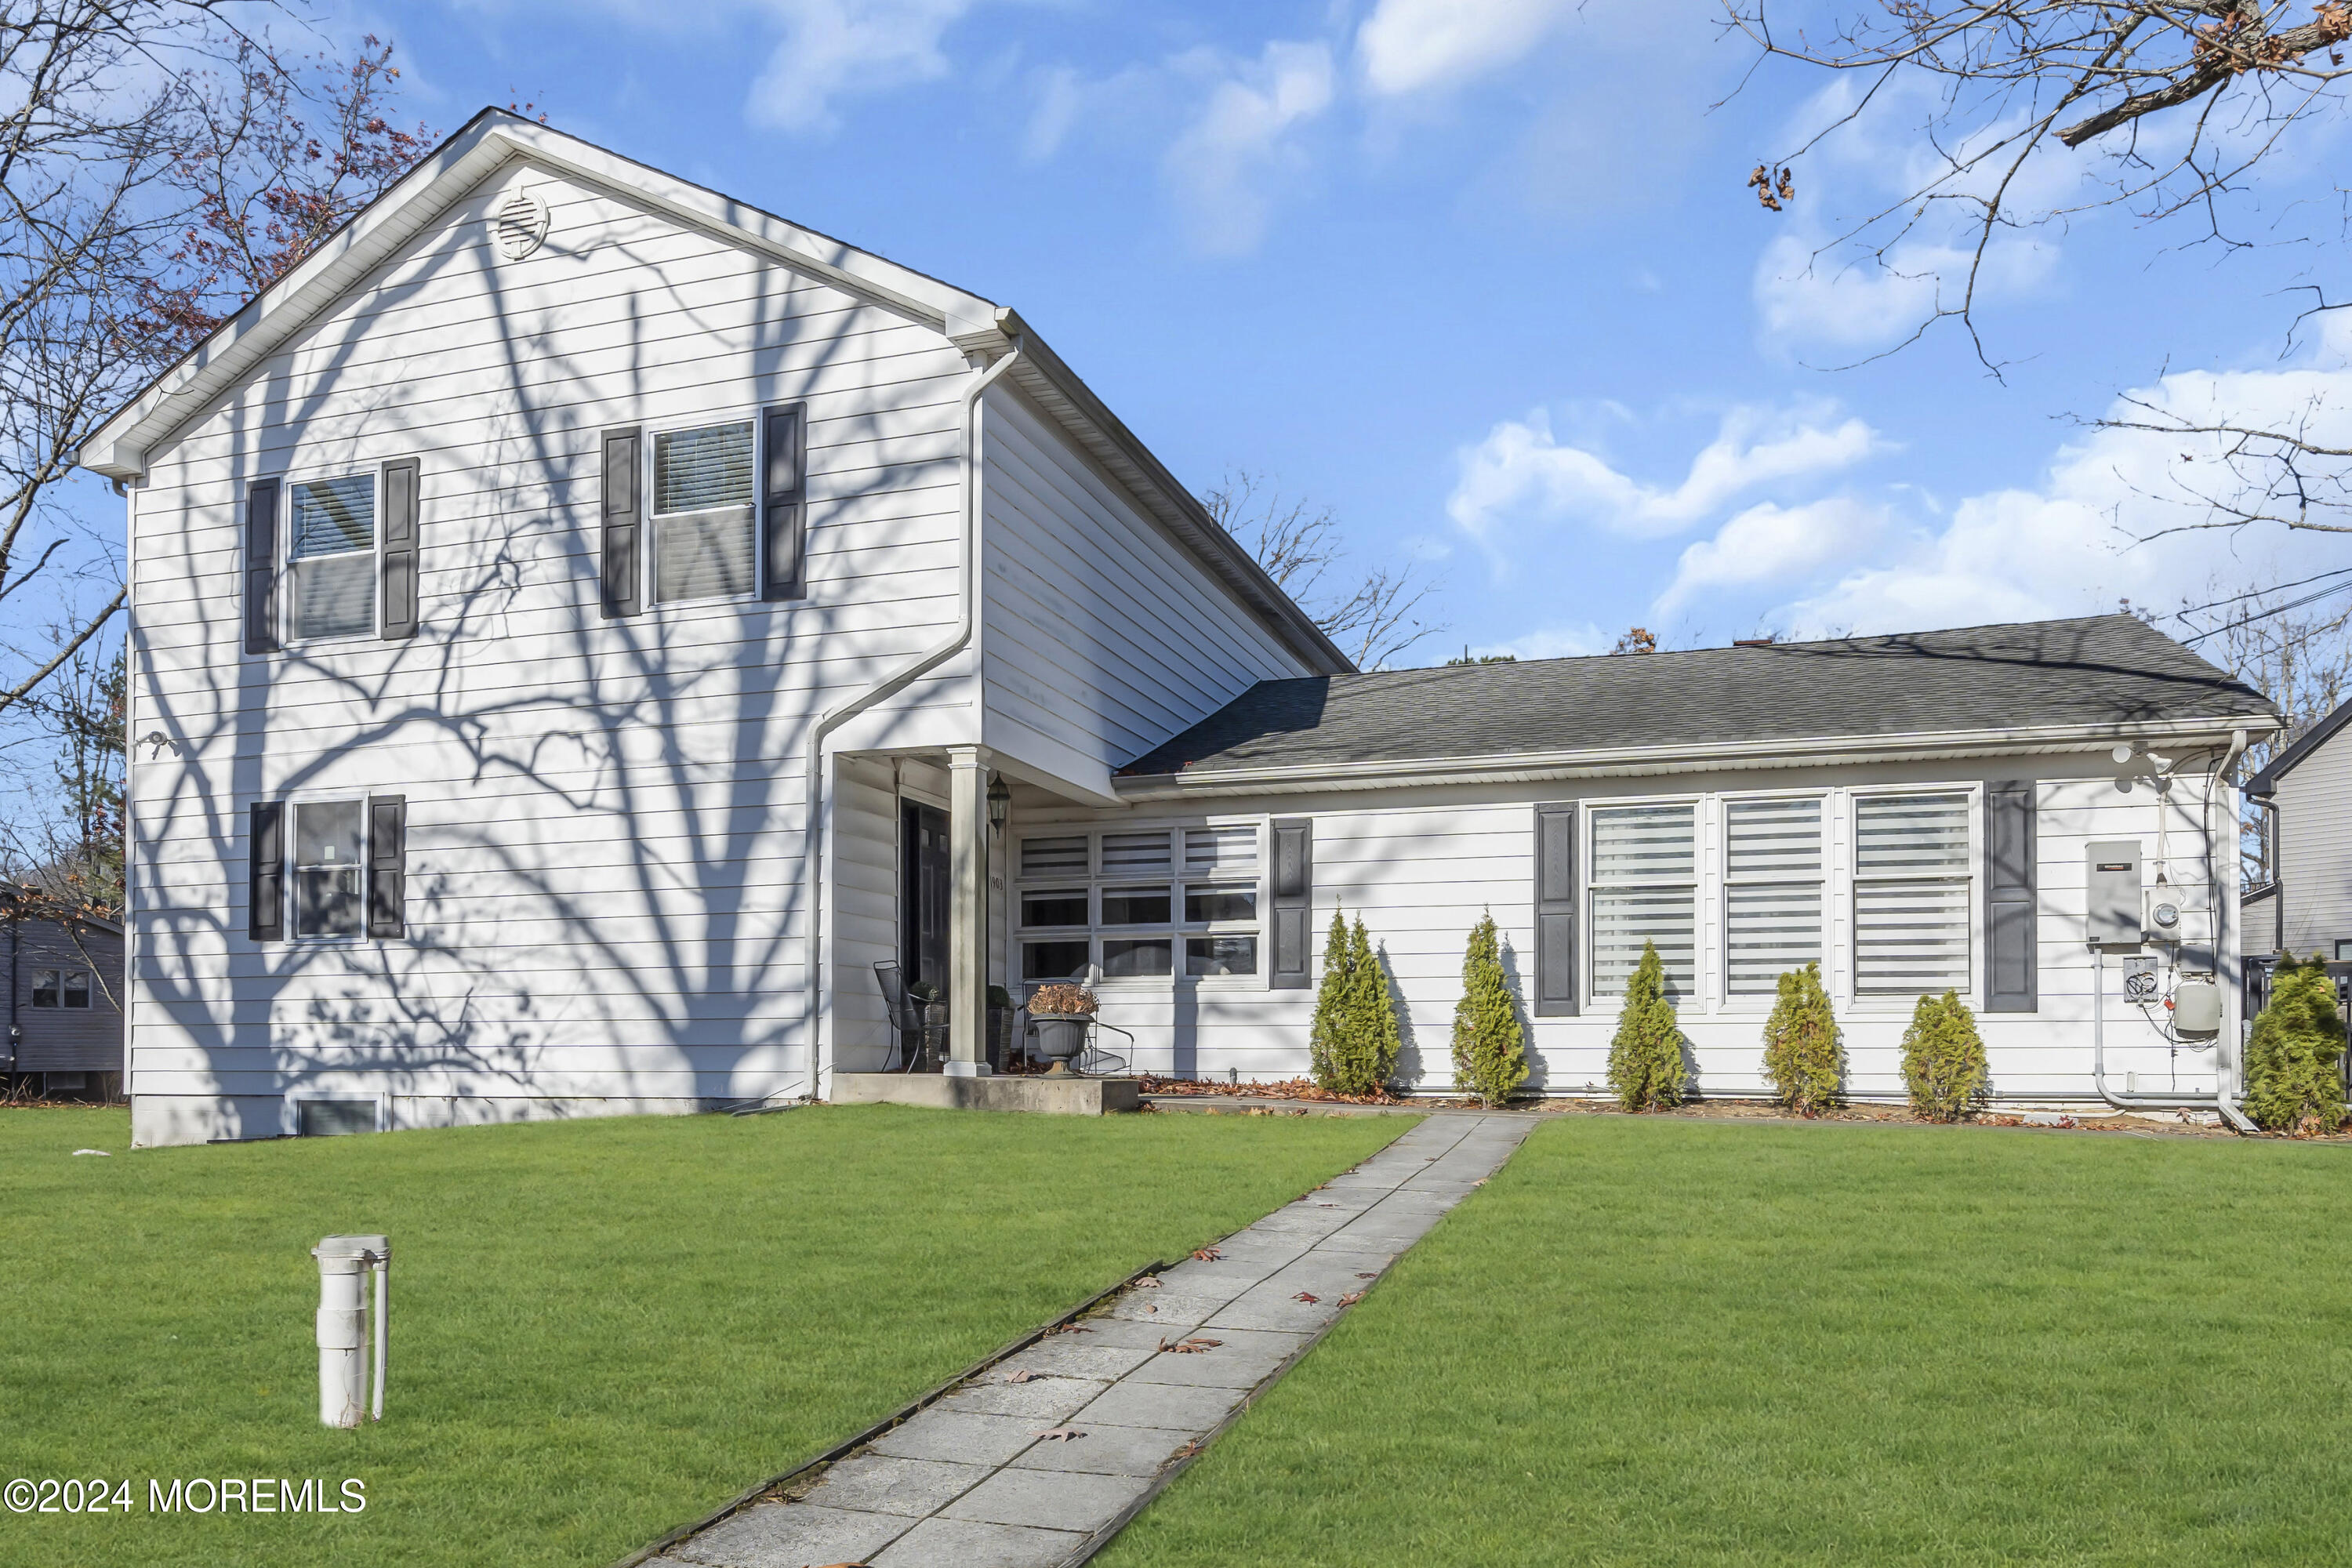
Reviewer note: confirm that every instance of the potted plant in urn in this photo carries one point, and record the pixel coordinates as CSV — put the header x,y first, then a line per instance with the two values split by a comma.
x,y
1062,1013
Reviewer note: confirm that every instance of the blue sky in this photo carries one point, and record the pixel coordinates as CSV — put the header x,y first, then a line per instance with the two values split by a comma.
x,y
1481,276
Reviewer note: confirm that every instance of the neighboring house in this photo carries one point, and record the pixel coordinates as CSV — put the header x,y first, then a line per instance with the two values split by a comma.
x,y
574,611
65,1004
2305,905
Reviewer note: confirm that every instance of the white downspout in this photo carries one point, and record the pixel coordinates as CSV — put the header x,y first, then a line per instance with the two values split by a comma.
x,y
2235,1049
812,795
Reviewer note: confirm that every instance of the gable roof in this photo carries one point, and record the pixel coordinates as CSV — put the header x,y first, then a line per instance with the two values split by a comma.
x,y
2043,683
2310,740
494,138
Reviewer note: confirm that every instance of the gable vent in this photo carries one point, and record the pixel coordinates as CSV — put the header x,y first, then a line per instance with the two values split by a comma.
x,y
520,225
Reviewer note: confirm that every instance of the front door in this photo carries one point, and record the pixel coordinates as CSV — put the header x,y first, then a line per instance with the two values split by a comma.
x,y
923,893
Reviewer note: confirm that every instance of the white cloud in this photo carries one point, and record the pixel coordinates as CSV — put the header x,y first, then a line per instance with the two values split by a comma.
x,y
1771,543
1553,642
2073,545
1413,46
1870,302
838,49
1226,166
1520,472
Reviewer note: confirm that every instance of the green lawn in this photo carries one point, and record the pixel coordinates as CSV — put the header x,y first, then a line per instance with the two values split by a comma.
x,y
601,1329
1656,1342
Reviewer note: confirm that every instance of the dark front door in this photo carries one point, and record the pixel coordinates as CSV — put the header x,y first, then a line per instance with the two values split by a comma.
x,y
923,893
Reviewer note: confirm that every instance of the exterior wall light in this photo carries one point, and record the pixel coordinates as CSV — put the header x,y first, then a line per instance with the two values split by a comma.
x,y
1000,804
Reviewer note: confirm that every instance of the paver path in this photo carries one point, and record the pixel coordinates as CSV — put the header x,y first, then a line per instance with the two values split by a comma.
x,y
971,1482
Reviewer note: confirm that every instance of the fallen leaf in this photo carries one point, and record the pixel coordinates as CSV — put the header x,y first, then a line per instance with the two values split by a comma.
x,y
1149,1282
1367,1276
1190,1347
1024,1375
1061,1434
1206,1255
1150,1309
1192,1446
1480,1183
1306,1296
1071,1329
1351,1298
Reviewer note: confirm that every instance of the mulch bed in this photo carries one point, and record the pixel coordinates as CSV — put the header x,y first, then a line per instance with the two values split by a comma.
x,y
2152,1125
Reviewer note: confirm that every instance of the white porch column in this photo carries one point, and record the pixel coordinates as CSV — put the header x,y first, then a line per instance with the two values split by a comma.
x,y
967,911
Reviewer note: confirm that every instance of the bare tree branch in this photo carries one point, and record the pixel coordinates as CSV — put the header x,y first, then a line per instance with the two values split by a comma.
x,y
1372,617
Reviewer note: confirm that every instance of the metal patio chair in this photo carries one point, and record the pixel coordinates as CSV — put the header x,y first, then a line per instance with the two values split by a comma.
x,y
906,1016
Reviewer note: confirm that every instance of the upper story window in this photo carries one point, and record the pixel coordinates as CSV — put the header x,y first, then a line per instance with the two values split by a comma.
x,y
61,988
1140,904
1644,888
705,535
1911,893
332,550
1772,891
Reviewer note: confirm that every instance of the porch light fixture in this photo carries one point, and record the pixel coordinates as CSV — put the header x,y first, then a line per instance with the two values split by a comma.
x,y
1000,804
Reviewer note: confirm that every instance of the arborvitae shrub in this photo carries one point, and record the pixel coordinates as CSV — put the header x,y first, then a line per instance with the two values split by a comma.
x,y
1802,1054
2293,1081
1490,1058
1645,1058
1330,1004
1943,1058
1372,1037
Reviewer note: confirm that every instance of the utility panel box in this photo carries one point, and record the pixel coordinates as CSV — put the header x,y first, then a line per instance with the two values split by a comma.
x,y
2116,905
2197,1008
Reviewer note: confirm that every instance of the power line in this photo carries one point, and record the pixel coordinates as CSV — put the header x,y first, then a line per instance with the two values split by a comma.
x,y
2257,593
2265,615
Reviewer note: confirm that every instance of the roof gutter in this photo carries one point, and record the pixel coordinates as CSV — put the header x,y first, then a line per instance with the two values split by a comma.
x,y
813,795
1644,761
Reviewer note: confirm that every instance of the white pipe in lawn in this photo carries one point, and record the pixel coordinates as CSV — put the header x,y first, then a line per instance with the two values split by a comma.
x,y
344,1260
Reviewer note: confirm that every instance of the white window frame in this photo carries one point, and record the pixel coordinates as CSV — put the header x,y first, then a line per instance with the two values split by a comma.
x,y
1591,886
283,607
1822,878
649,480
291,1127
292,832
1971,875
1176,930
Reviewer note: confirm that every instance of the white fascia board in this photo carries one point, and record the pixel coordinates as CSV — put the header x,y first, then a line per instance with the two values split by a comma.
x,y
1650,761
487,144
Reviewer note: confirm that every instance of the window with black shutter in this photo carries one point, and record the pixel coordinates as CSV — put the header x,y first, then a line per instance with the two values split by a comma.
x,y
621,578
266,889
784,450
401,553
261,567
1556,894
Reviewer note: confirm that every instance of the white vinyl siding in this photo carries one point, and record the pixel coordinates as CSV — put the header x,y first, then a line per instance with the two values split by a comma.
x,y
1911,893
1644,888
331,548
705,542
1772,891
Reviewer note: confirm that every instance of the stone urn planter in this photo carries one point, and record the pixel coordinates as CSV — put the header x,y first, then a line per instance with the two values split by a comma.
x,y
1062,1013
1060,1036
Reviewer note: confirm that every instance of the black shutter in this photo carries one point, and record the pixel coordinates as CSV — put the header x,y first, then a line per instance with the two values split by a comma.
x,y
2011,949
1294,899
618,551
266,886
261,567
398,605
387,898
1556,991
782,512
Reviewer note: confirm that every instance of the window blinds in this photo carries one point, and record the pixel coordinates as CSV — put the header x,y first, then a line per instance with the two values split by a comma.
x,y
1644,859
705,538
1911,893
1772,901
702,470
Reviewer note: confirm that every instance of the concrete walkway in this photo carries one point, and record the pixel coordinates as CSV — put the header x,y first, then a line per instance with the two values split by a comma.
x,y
1038,1459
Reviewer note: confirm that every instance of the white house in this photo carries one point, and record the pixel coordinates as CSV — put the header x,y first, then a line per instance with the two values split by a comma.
x,y
517,582
2305,905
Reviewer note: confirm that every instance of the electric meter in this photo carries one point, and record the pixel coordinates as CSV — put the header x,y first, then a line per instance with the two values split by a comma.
x,y
2163,913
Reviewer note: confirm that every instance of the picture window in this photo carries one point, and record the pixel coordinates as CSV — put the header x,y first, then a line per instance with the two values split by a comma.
x,y
1153,896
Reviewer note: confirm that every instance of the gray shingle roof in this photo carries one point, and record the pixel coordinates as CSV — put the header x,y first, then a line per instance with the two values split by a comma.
x,y
2097,670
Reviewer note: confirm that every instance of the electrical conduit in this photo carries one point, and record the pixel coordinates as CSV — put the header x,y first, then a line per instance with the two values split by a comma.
x,y
812,795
